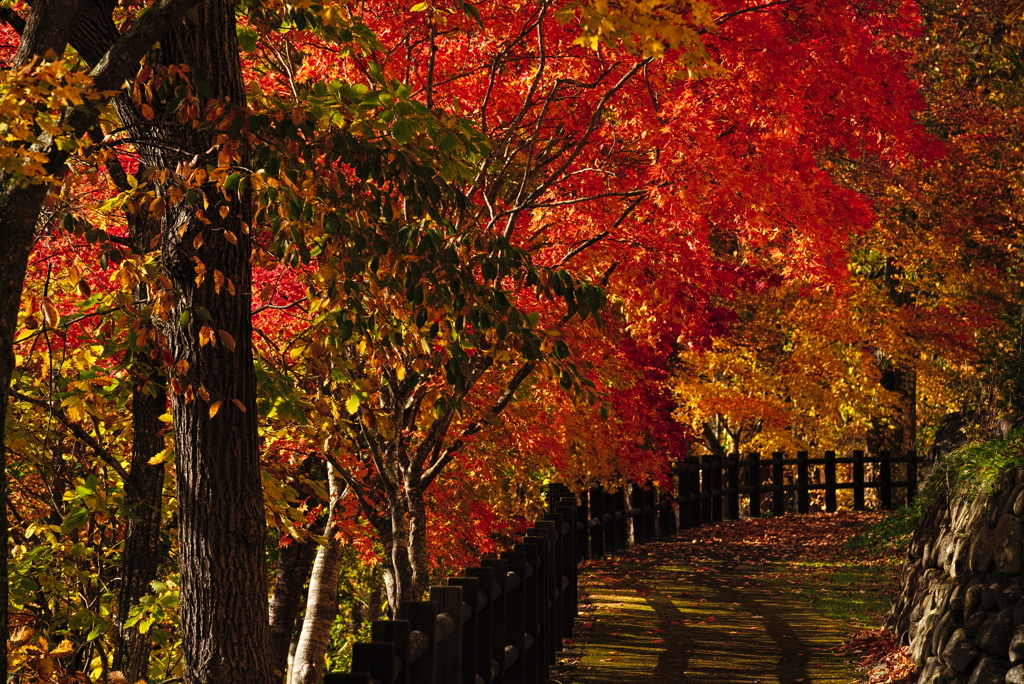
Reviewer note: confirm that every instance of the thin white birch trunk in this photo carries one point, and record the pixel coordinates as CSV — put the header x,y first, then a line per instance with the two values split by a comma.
x,y
322,600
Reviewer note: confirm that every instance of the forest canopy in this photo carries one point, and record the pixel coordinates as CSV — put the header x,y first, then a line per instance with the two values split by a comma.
x,y
331,290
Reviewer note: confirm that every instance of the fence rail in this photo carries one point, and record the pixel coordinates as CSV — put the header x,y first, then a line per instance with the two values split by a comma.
x,y
504,620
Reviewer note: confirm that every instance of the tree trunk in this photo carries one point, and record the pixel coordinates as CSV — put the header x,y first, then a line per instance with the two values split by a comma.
x,y
222,535
900,433
419,557
141,558
322,600
144,492
399,571
294,565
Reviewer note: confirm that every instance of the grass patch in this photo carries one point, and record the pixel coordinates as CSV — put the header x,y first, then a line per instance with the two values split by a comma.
x,y
974,467
858,593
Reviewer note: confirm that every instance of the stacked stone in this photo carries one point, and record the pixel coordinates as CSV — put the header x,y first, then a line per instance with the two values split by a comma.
x,y
960,609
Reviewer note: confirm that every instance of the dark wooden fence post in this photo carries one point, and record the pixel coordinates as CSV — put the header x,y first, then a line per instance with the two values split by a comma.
x,y
499,622
621,524
609,509
569,563
682,472
778,484
449,646
650,516
885,475
830,482
858,480
696,491
520,595
705,490
717,465
557,580
531,649
545,623
803,482
667,523
377,659
472,631
486,623
397,632
422,617
596,513
733,500
348,678
754,477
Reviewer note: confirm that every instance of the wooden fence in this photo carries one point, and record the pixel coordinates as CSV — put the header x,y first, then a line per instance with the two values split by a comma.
x,y
503,621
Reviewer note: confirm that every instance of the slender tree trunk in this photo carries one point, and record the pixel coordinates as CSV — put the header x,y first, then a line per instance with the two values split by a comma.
x,y
294,565
144,492
206,250
419,558
322,599
399,572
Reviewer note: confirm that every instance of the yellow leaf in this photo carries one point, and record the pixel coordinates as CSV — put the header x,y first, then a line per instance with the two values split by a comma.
x,y
231,237
206,336
203,394
214,407
50,315
63,649
160,457
352,404
224,211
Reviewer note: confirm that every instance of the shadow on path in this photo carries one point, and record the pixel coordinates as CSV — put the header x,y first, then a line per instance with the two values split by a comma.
x,y
661,617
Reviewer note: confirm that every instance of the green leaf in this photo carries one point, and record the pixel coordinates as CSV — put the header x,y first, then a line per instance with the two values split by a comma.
x,y
232,181
247,39
402,131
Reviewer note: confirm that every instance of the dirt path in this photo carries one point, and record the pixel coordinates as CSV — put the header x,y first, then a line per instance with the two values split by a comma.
x,y
718,605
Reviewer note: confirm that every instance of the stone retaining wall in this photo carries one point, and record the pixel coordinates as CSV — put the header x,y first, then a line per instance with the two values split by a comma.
x,y
960,607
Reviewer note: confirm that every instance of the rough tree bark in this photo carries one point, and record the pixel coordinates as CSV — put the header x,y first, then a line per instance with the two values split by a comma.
x,y
206,251
322,599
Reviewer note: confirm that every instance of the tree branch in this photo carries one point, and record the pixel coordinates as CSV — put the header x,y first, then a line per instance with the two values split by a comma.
x,y
82,434
506,396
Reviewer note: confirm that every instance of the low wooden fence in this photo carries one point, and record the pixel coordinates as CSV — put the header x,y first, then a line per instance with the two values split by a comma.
x,y
503,621
711,489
